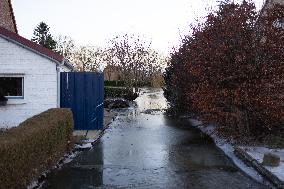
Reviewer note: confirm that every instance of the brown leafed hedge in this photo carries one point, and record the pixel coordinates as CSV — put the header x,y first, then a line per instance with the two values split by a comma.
x,y
33,146
230,71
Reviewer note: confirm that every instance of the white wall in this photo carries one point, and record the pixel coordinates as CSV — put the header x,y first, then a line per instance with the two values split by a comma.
x,y
40,83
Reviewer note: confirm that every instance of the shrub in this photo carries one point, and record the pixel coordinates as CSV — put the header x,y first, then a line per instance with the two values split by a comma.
x,y
115,83
178,82
121,83
114,92
34,146
230,70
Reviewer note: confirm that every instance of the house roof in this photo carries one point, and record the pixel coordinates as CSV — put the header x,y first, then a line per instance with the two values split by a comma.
x,y
11,36
13,16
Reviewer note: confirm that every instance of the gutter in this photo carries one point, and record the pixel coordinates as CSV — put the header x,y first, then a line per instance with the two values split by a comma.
x,y
58,65
67,64
58,84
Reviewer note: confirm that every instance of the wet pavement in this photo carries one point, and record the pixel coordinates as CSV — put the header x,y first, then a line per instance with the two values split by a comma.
x,y
145,149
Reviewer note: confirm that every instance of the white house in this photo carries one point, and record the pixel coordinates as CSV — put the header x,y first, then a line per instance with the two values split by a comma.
x,y
29,78
29,73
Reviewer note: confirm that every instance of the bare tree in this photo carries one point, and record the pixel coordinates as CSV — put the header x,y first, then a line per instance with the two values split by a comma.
x,y
84,58
66,47
128,53
88,58
128,57
111,67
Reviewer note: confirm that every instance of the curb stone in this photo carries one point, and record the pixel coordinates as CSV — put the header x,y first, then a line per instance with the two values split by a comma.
x,y
250,161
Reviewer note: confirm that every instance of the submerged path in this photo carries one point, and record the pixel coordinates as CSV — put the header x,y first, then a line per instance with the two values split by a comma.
x,y
145,149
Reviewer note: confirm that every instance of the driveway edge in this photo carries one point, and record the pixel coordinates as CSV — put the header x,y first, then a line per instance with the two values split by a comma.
x,y
250,161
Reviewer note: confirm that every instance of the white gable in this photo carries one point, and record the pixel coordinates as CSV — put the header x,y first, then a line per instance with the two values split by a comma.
x,y
41,82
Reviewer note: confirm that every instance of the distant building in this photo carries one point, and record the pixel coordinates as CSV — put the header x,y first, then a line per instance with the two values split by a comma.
x,y
112,73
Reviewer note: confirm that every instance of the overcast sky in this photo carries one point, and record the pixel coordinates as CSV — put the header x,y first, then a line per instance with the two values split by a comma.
x,y
93,22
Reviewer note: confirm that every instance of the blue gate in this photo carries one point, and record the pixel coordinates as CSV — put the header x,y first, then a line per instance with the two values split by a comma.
x,y
83,92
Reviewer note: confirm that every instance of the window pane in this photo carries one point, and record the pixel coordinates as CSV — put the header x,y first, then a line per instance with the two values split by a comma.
x,y
11,86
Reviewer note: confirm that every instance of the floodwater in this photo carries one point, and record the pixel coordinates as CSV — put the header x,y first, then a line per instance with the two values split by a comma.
x,y
143,148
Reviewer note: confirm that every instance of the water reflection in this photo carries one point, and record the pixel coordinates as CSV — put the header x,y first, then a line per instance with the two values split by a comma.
x,y
145,149
152,99
86,171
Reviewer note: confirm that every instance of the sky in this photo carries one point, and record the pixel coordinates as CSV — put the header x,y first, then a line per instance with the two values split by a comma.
x,y
94,22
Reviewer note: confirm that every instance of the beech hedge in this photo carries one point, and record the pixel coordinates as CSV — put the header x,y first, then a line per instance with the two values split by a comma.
x,y
220,77
120,92
34,146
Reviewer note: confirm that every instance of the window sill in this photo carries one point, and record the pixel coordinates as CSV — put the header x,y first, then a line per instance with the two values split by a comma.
x,y
16,102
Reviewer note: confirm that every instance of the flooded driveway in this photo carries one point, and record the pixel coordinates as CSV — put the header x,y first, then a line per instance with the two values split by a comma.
x,y
145,149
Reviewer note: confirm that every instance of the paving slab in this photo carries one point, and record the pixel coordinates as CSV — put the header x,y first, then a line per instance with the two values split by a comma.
x,y
109,116
79,133
93,135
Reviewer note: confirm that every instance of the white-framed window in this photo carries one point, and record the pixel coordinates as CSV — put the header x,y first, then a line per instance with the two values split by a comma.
x,y
12,86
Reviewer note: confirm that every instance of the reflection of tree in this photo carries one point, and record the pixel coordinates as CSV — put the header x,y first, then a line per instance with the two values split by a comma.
x,y
85,170
194,150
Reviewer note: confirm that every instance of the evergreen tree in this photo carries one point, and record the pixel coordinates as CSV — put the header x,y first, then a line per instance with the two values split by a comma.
x,y
43,37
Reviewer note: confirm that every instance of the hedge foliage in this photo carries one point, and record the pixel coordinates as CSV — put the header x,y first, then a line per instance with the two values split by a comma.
x,y
115,83
120,92
229,70
34,146
124,84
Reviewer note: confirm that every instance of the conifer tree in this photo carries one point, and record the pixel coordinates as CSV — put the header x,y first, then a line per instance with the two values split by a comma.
x,y
43,37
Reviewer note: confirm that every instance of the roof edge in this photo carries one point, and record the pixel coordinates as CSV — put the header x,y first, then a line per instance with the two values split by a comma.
x,y
31,49
34,47
68,64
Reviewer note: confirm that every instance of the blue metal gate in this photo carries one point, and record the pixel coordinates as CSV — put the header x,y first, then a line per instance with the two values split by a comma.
x,y
83,92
